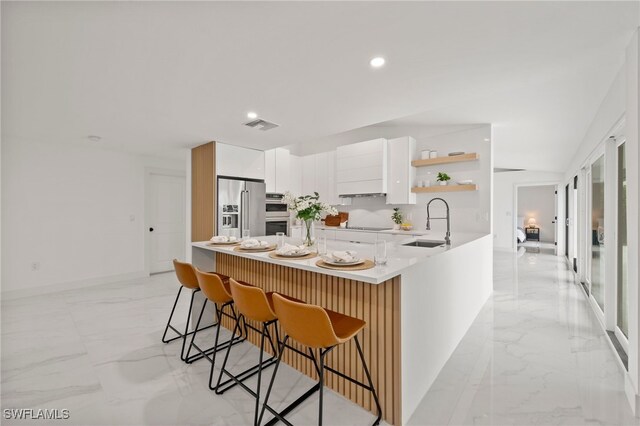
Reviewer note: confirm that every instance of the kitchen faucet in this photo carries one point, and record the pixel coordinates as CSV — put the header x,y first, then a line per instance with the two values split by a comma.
x,y
447,238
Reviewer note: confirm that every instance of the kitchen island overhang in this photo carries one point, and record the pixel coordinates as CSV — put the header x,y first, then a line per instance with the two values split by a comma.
x,y
417,308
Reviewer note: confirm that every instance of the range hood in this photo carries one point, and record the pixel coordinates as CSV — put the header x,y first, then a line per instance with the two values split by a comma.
x,y
362,169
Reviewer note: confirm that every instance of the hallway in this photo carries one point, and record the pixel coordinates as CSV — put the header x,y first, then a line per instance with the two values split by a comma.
x,y
534,356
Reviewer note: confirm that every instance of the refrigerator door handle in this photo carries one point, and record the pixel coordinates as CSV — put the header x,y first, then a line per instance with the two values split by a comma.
x,y
244,208
248,208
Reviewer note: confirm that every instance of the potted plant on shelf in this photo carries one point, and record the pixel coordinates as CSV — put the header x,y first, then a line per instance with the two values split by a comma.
x,y
397,218
443,178
308,208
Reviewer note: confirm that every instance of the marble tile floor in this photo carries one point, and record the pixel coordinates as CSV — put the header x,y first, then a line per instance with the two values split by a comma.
x,y
534,356
97,353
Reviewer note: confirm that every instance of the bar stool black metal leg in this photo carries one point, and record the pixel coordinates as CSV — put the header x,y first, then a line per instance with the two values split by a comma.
x,y
373,389
321,381
231,341
226,357
164,336
193,336
273,379
255,414
186,326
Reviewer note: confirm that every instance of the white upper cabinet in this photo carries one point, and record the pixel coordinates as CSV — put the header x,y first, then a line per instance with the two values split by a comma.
x,y
401,175
270,170
308,175
295,174
361,168
319,175
236,161
278,170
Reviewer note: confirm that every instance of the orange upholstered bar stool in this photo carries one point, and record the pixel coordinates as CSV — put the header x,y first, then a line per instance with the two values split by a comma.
x,y
253,304
217,291
322,330
187,278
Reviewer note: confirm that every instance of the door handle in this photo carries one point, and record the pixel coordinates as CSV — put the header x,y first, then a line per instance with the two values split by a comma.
x,y
150,229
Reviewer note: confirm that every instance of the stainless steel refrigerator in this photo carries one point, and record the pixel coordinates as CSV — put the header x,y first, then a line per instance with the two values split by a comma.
x,y
241,206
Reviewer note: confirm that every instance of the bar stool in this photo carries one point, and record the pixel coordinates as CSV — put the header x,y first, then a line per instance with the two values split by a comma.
x,y
187,278
254,304
316,328
216,289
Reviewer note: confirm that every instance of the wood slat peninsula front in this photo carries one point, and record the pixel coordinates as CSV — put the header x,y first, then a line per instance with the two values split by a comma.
x,y
377,304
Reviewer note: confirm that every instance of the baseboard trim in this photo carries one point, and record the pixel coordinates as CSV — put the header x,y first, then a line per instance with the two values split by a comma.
x,y
70,285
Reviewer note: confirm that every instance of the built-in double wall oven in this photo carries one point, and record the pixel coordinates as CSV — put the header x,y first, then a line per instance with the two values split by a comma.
x,y
276,215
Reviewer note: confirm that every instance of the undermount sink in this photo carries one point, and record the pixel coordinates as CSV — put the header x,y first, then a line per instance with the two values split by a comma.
x,y
425,243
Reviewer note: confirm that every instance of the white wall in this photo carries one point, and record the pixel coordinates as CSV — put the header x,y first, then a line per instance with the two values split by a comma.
x,y
470,211
632,133
76,210
539,202
505,185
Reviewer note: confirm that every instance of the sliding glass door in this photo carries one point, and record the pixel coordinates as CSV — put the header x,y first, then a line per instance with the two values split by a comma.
x,y
597,248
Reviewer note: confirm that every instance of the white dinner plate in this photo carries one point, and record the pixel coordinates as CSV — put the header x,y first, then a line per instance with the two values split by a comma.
x,y
258,247
299,254
334,262
225,243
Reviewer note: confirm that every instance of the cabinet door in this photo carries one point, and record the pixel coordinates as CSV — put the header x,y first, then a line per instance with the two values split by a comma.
x,y
401,174
270,170
295,174
236,161
308,175
321,176
282,167
331,185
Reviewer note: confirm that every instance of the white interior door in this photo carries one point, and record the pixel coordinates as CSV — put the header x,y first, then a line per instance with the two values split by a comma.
x,y
166,221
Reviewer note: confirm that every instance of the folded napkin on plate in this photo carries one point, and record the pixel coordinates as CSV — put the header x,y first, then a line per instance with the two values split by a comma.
x,y
289,250
343,256
253,243
223,239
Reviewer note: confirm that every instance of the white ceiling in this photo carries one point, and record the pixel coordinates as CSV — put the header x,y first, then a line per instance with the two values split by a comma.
x,y
153,77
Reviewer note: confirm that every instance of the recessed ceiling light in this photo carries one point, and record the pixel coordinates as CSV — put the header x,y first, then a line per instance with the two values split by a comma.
x,y
252,115
377,62
487,139
94,138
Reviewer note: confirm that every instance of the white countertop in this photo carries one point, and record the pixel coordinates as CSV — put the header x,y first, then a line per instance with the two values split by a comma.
x,y
399,257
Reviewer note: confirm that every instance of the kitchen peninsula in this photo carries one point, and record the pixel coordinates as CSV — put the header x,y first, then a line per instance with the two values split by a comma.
x,y
417,307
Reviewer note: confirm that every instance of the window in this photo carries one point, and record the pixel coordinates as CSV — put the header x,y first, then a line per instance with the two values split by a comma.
x,y
597,232
622,316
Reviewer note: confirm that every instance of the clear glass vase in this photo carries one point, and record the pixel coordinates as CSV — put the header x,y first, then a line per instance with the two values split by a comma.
x,y
308,232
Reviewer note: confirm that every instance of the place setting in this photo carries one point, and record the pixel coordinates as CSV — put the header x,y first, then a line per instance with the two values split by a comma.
x,y
292,252
223,240
254,245
347,260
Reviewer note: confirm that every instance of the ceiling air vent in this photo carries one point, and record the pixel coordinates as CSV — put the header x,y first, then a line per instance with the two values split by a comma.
x,y
261,124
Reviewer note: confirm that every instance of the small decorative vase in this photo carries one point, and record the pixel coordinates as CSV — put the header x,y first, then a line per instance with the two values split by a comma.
x,y
308,232
396,226
443,182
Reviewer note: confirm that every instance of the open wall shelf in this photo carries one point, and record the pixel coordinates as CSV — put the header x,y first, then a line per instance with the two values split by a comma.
x,y
444,188
445,160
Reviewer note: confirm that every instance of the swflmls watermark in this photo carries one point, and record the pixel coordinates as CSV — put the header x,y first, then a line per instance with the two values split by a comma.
x,y
35,414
